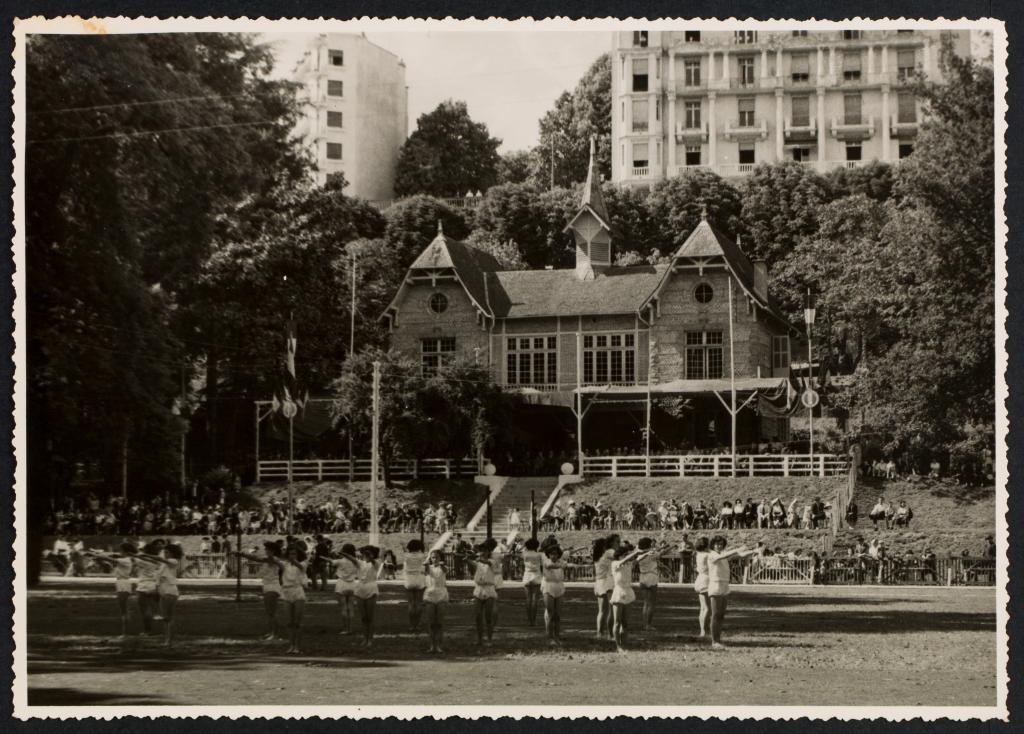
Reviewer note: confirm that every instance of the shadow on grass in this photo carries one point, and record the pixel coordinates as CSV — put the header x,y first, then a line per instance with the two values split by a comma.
x,y
45,696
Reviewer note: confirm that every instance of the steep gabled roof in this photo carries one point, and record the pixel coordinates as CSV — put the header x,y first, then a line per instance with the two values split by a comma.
x,y
592,199
705,243
471,267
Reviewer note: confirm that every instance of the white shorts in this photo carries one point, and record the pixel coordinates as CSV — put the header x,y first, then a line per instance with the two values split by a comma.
x,y
718,588
271,589
123,586
366,591
168,590
341,586
293,594
623,595
485,592
531,578
649,580
435,596
146,587
700,584
603,587
415,582
554,589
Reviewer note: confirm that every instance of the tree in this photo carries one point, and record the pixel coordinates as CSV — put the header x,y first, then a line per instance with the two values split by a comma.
x,y
447,155
634,227
676,205
515,167
506,253
412,225
568,127
780,206
533,219
874,180
291,261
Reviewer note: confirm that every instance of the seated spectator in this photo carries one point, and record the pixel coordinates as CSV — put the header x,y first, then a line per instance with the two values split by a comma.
x,y
878,512
851,514
902,515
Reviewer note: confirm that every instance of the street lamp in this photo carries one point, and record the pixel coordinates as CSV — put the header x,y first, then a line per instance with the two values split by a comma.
x,y
809,312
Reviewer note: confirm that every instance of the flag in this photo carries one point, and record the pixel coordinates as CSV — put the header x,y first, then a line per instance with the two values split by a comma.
x,y
292,345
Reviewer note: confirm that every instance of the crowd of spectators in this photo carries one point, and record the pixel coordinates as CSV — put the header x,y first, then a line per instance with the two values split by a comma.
x,y
675,514
162,516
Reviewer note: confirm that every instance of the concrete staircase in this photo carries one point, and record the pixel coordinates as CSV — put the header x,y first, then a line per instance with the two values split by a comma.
x,y
513,492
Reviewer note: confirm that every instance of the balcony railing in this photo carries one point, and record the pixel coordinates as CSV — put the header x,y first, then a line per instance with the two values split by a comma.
x,y
737,130
846,129
752,84
734,169
717,465
359,470
641,171
686,134
902,128
806,129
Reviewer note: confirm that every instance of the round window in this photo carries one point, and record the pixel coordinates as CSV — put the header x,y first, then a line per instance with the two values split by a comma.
x,y
704,293
439,303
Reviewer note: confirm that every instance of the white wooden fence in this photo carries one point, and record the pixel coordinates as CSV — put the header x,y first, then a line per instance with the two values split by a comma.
x,y
358,470
717,465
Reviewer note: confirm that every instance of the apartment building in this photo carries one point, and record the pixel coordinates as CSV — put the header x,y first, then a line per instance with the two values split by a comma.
x,y
355,117
728,100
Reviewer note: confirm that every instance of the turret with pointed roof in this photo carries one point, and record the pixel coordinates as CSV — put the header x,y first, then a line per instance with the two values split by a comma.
x,y
591,227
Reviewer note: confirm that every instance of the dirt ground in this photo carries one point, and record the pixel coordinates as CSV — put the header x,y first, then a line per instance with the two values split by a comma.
x,y
787,646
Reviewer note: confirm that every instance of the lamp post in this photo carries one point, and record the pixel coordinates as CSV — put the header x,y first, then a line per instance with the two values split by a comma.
x,y
809,322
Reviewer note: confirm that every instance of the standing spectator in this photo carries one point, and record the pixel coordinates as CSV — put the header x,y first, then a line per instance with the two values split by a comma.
x,y
817,513
851,514
763,514
990,548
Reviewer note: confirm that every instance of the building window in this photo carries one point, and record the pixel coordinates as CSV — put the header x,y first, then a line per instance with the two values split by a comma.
x,y
799,34
693,155
746,110
746,70
334,119
703,355
905,150
854,151
800,68
851,66
851,35
851,109
609,358
435,353
337,57
641,114
335,88
640,75
640,39
703,293
780,352
745,36
906,64
691,72
334,151
641,154
746,154
906,107
691,115
691,36
801,154
801,115
531,360
438,303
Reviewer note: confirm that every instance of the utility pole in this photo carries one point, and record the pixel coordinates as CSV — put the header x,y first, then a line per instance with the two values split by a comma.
x,y
374,456
352,340
732,379
183,480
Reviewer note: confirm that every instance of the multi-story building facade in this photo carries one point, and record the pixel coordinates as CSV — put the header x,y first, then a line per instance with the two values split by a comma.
x,y
355,116
728,100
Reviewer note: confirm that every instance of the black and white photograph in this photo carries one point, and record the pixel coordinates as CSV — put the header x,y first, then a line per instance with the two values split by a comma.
x,y
536,368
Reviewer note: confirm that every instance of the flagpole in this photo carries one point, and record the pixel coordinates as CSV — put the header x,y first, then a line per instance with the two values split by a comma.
x,y
374,451
732,381
352,341
291,458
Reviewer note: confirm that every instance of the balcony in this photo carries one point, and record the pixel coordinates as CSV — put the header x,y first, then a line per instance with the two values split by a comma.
x,y
640,171
750,84
902,128
685,134
801,130
741,130
734,169
847,129
682,87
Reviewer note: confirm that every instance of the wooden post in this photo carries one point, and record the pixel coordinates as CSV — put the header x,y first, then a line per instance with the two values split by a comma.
x,y
238,562
732,383
258,474
375,456
490,521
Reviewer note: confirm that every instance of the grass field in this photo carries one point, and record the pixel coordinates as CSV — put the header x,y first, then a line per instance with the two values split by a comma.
x,y
787,646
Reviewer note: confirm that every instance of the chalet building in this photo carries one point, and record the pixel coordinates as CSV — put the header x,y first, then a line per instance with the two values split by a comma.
x,y
598,352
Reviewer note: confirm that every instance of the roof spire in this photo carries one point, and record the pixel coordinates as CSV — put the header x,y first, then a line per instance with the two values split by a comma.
x,y
703,211
593,148
440,228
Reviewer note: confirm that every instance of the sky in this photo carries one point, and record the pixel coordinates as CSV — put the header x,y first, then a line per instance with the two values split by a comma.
x,y
507,79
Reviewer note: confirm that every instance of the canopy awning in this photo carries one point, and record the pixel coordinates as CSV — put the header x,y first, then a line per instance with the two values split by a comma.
x,y
774,386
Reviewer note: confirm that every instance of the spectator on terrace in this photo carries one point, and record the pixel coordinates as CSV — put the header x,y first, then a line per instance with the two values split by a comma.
x,y
763,514
878,512
928,566
686,515
936,469
651,518
817,513
902,515
990,548
851,514
725,515
204,546
514,520
890,469
890,516
806,517
749,514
